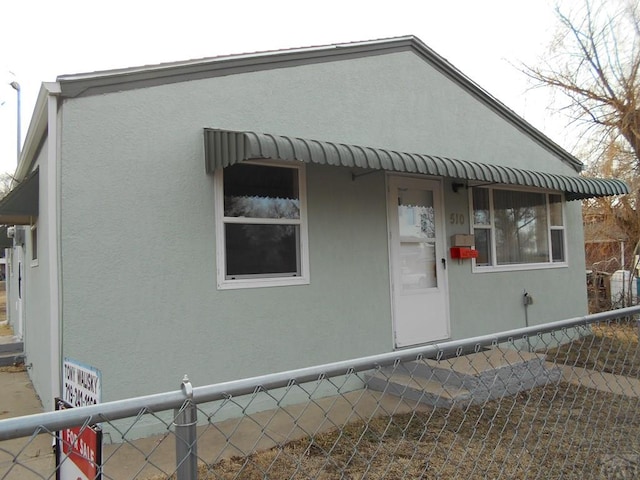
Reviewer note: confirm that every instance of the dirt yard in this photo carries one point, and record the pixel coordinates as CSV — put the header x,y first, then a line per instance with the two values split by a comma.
x,y
555,431
4,328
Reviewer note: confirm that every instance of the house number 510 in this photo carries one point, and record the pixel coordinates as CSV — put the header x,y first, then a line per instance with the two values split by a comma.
x,y
457,219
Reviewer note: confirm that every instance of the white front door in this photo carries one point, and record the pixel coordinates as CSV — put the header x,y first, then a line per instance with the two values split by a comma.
x,y
418,261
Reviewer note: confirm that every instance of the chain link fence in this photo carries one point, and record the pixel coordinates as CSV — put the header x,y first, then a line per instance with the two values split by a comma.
x,y
554,401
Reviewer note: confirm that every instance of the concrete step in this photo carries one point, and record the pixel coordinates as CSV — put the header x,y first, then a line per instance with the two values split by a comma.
x,y
11,354
11,347
484,375
11,359
418,390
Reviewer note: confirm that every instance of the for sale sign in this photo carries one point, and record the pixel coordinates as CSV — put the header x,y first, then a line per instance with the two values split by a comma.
x,y
78,451
81,384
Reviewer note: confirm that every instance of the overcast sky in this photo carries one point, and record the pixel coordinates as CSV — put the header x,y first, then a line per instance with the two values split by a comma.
x,y
40,40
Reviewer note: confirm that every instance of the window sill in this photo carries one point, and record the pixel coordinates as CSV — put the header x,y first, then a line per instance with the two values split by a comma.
x,y
262,282
519,268
34,263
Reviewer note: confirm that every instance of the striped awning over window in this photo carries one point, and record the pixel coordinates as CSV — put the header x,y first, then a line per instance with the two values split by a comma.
x,y
224,148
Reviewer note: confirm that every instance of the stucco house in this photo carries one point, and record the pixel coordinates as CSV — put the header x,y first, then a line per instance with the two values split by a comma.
x,y
247,214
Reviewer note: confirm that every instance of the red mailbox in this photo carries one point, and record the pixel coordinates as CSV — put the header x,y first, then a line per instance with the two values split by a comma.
x,y
463,252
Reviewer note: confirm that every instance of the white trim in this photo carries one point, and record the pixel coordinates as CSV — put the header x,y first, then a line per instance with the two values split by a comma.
x,y
261,281
549,239
38,127
54,256
492,236
562,227
387,192
518,267
263,221
33,246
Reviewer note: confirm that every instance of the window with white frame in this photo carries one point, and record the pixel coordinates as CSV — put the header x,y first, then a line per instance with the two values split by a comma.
x,y
34,245
517,227
261,225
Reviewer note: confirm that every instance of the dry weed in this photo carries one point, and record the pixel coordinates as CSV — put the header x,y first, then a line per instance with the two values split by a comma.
x,y
558,430
5,330
533,433
13,369
612,348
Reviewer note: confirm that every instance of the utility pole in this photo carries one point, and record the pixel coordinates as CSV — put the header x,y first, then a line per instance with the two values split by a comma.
x,y
16,87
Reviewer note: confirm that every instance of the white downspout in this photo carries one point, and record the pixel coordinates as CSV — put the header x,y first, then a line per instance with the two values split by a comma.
x,y
54,254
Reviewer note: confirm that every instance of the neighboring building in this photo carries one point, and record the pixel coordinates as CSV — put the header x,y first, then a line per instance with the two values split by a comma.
x,y
607,245
241,215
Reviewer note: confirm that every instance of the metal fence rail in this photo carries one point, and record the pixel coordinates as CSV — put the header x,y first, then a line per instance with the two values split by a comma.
x,y
559,400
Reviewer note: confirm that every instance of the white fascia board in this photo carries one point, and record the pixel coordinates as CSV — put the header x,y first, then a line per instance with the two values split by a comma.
x,y
38,127
54,254
203,62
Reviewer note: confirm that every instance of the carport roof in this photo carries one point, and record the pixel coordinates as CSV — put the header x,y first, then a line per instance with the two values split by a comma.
x,y
224,148
20,205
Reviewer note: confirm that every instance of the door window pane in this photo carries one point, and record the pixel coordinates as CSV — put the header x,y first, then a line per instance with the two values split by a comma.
x,y
417,226
416,214
418,265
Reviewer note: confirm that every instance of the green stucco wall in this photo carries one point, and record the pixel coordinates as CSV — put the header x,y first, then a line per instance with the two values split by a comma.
x,y
138,236
36,291
489,302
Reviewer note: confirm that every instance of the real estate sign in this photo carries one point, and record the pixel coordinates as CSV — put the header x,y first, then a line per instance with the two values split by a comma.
x,y
81,384
78,451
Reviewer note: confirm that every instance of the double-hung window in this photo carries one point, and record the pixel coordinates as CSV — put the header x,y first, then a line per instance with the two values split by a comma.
x,y
516,229
261,225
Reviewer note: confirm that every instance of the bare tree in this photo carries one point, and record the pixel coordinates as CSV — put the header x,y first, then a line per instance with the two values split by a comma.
x,y
6,181
594,62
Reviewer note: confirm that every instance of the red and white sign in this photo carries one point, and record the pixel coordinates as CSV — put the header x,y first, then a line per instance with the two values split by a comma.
x,y
78,451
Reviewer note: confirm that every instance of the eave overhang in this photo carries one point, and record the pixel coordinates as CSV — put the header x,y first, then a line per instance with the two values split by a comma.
x,y
20,205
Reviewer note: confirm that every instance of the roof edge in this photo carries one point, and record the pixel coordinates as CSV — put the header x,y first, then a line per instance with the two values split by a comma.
x,y
135,77
37,131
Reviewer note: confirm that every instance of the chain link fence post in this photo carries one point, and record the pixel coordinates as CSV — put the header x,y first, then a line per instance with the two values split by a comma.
x,y
186,418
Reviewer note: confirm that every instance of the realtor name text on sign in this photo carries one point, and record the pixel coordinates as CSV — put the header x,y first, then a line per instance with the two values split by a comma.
x,y
81,384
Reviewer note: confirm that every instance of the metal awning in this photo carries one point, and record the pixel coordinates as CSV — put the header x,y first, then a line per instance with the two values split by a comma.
x,y
20,205
224,148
